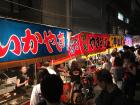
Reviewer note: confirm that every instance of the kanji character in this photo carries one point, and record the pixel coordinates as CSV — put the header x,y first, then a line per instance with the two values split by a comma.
x,y
92,42
76,45
101,42
115,41
97,42
105,43
71,47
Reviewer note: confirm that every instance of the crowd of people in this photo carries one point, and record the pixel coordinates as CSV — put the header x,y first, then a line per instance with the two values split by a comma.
x,y
116,76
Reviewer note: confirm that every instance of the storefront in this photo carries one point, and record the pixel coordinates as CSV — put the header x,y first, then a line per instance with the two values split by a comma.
x,y
24,43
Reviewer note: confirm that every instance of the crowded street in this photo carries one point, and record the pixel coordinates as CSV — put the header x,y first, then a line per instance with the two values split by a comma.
x,y
69,52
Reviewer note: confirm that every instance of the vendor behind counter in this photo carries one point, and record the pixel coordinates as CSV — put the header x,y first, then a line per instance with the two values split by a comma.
x,y
22,80
19,89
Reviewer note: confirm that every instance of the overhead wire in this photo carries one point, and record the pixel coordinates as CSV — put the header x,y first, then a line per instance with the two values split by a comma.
x,y
42,11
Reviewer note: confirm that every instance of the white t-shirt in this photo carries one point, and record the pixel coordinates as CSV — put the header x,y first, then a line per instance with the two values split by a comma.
x,y
35,95
36,92
112,59
50,69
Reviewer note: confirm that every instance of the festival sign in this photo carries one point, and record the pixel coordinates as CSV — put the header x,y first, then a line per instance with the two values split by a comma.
x,y
75,47
116,40
74,50
93,43
84,42
97,42
21,40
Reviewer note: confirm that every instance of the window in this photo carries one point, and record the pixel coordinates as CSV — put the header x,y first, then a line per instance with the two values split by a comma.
x,y
120,16
127,20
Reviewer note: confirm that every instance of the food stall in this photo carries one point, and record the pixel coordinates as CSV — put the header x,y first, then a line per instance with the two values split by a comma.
x,y
24,43
86,45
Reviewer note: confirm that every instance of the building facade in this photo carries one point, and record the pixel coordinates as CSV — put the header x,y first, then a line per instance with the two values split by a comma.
x,y
98,16
101,16
21,9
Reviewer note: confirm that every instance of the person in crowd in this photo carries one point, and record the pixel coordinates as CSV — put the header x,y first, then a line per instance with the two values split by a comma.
x,y
113,55
36,96
126,53
129,80
132,54
52,89
89,62
129,65
75,74
115,50
118,71
137,53
61,69
106,64
110,94
48,66
22,80
121,54
91,59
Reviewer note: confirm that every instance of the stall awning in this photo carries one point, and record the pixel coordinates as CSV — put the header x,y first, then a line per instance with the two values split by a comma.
x,y
26,43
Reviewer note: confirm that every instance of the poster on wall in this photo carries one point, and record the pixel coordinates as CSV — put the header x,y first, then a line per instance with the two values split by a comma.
x,y
22,40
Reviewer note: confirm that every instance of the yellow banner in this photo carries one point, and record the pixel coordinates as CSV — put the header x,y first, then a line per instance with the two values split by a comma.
x,y
116,40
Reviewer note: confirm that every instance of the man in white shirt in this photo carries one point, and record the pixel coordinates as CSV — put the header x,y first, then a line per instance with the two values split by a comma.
x,y
36,96
47,65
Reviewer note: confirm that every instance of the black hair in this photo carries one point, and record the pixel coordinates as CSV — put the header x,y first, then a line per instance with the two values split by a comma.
x,y
52,88
41,74
132,48
125,47
46,64
113,54
74,65
121,52
118,61
104,75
